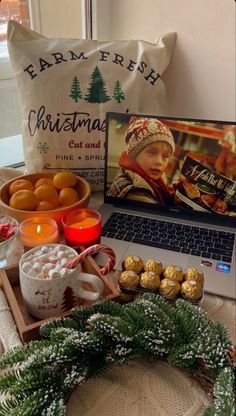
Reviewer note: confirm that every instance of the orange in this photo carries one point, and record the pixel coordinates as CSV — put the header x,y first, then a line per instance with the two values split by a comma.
x,y
24,199
47,193
64,179
44,206
68,196
43,181
20,184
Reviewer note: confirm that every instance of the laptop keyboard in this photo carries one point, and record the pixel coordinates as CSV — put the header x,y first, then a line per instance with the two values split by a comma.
x,y
188,239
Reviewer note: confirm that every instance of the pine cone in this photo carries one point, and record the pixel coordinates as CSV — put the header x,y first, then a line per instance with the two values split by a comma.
x,y
232,355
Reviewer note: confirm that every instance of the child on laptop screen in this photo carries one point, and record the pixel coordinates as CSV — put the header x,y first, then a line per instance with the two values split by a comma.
x,y
149,147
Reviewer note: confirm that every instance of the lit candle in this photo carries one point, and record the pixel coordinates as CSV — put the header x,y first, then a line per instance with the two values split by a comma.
x,y
82,227
36,231
86,222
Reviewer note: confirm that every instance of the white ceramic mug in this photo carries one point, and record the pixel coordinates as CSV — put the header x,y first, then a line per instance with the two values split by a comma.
x,y
45,298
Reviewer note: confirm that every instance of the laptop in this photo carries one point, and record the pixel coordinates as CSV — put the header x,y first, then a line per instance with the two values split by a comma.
x,y
196,226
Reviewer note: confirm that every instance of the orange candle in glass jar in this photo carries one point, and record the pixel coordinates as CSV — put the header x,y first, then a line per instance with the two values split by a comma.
x,y
82,227
34,232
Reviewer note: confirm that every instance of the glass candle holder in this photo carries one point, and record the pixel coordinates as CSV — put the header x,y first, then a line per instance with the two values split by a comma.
x,y
10,246
37,231
82,227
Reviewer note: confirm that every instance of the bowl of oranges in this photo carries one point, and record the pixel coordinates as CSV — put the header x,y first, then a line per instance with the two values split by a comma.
x,y
43,195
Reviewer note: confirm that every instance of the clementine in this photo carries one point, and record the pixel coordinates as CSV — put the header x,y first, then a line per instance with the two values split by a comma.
x,y
68,196
24,199
44,206
47,193
43,181
64,179
20,184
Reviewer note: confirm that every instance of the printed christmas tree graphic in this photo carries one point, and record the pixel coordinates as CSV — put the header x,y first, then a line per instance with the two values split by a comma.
x,y
118,93
69,299
75,90
97,89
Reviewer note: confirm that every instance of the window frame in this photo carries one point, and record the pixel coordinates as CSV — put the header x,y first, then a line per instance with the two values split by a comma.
x,y
35,18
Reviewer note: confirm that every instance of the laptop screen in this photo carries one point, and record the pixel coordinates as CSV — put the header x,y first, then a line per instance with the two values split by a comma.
x,y
168,164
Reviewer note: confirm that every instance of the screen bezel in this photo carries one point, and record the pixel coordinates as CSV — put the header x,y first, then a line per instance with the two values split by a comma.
x,y
167,211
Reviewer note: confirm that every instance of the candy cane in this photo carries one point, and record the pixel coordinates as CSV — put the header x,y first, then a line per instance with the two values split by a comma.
x,y
96,248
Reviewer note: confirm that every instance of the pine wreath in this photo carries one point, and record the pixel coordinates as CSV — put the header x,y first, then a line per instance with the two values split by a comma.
x,y
40,376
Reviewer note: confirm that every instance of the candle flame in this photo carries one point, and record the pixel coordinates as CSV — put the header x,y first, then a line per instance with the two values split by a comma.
x,y
38,229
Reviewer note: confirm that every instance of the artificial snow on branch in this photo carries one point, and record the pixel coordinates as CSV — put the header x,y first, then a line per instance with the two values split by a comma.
x,y
40,376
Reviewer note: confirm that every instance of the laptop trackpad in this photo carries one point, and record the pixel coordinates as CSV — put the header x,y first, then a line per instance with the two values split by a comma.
x,y
164,256
124,248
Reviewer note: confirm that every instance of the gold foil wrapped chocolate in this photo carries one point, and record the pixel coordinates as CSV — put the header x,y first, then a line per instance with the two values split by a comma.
x,y
193,274
133,263
153,266
150,280
169,288
191,290
174,273
129,279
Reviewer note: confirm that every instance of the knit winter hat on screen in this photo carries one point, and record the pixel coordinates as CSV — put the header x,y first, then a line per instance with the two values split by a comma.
x,y
144,131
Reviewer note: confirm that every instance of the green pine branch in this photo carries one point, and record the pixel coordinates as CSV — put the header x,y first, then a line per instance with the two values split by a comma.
x,y
191,320
39,376
21,353
224,393
156,329
8,407
210,411
10,377
57,408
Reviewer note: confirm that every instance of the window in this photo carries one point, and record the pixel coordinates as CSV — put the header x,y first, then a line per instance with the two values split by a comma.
x,y
49,17
11,9
10,125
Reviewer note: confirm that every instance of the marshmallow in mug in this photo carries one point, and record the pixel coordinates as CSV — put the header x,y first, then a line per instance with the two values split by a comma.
x,y
48,262
48,288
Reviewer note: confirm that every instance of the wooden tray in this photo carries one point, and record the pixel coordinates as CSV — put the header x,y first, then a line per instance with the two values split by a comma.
x,y
28,326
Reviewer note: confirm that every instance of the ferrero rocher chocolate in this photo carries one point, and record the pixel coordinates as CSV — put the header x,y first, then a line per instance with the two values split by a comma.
x,y
133,263
193,274
153,266
191,290
174,273
129,279
169,288
150,280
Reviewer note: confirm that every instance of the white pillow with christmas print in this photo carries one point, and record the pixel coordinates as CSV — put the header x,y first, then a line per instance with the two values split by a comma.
x,y
68,85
